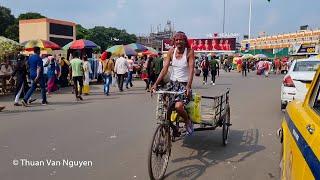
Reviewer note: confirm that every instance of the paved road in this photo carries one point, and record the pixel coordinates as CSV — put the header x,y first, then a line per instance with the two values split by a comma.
x,y
114,134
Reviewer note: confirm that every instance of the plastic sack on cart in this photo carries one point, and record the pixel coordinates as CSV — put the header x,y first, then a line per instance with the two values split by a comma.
x,y
194,108
173,116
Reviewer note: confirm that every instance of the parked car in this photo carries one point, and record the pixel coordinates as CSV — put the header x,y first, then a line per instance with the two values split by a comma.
x,y
300,136
296,82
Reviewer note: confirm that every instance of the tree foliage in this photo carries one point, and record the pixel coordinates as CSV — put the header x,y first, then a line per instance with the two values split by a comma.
x,y
30,15
82,33
12,32
102,36
107,37
6,19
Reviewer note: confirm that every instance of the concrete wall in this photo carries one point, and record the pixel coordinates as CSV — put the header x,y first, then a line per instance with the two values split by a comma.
x,y
33,30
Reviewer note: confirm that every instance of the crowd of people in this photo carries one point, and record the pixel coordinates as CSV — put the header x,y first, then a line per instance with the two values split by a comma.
x,y
209,65
52,72
49,73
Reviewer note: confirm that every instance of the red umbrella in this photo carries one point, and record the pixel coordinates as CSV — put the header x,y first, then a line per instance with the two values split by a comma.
x,y
80,44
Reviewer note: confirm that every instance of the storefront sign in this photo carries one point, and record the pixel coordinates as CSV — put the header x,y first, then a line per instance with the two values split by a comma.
x,y
303,49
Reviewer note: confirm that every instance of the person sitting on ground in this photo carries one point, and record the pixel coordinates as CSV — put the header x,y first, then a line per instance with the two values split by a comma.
x,y
5,72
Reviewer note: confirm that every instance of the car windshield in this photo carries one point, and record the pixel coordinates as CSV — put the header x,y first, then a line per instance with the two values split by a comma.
x,y
306,66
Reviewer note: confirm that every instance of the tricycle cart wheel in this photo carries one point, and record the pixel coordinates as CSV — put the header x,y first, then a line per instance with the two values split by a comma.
x,y
225,127
159,152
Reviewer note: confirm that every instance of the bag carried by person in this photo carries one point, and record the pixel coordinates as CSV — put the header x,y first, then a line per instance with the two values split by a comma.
x,y
113,83
197,72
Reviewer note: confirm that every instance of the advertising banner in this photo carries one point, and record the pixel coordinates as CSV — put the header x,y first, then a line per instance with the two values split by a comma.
x,y
206,45
303,49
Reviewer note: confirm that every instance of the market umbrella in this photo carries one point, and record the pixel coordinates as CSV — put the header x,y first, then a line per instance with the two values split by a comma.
x,y
260,56
150,51
247,56
118,50
8,46
43,44
67,46
80,44
138,47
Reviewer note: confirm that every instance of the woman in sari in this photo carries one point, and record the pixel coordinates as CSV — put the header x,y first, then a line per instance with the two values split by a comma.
x,y
87,71
53,74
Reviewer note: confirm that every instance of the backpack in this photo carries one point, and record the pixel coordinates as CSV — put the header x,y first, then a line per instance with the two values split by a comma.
x,y
204,65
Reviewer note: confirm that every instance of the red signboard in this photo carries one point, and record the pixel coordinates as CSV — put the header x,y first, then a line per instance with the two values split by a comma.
x,y
204,45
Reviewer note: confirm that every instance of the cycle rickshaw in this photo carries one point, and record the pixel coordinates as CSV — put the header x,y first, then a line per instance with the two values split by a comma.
x,y
215,112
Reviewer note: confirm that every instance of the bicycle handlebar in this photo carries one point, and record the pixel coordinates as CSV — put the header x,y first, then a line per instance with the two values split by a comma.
x,y
169,92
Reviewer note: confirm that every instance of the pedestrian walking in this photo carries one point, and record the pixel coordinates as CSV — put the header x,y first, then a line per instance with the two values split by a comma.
x,y
130,72
144,73
87,71
45,62
20,72
266,67
76,74
213,68
239,65
151,72
100,77
108,69
205,69
121,68
277,66
244,68
158,65
53,73
36,75
64,72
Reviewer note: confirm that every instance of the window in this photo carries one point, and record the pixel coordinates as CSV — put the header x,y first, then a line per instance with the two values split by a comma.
x,y
315,98
59,29
60,41
306,66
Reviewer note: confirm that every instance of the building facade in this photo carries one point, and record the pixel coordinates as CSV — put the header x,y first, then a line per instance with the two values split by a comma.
x,y
155,39
289,42
57,31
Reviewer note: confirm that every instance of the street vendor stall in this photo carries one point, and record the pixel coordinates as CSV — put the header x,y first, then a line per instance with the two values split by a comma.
x,y
8,47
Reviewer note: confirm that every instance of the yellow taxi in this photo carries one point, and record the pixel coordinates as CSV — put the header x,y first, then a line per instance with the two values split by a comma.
x,y
300,136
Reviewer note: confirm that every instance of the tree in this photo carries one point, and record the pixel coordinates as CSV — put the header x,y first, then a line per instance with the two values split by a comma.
x,y
6,19
107,37
100,36
12,32
82,33
30,15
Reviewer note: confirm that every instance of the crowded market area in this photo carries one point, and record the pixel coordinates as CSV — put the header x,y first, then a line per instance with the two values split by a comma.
x,y
184,101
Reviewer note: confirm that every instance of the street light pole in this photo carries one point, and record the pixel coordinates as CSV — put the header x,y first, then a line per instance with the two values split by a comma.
x,y
250,9
224,15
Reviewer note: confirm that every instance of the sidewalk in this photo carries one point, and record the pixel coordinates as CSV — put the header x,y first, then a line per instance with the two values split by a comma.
x,y
64,96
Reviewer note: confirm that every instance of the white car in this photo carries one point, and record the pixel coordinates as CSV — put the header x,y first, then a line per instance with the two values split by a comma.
x,y
296,82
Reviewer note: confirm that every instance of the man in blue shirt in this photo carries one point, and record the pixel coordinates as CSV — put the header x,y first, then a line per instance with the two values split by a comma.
x,y
36,74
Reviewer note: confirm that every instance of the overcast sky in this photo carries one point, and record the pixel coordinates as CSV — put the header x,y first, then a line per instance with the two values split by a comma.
x,y
195,17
